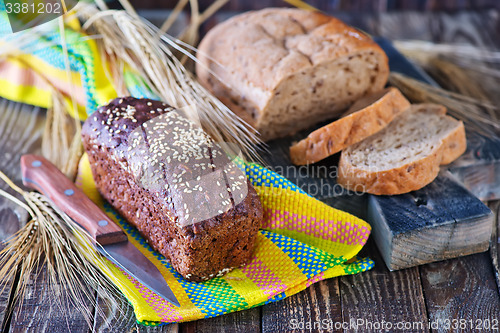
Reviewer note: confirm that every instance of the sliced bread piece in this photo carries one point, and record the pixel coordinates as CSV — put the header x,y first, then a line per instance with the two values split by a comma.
x,y
366,117
406,155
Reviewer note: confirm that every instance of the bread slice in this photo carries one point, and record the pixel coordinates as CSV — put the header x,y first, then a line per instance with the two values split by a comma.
x,y
406,155
366,117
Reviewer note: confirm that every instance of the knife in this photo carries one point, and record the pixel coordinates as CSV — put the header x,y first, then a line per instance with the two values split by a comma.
x,y
108,238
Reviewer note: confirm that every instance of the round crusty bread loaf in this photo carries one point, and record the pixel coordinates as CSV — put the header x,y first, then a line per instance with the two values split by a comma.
x,y
366,117
406,155
283,70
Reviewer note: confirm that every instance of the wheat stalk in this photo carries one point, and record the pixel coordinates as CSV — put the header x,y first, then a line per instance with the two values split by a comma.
x,y
51,239
471,76
189,36
134,42
473,112
423,49
173,16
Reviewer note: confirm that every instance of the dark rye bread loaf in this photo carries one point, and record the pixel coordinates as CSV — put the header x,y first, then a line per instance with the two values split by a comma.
x,y
166,177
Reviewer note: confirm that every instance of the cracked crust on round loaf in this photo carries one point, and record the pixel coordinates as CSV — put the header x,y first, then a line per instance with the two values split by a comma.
x,y
284,70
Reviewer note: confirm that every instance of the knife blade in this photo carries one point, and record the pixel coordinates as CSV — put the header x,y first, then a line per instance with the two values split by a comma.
x,y
108,238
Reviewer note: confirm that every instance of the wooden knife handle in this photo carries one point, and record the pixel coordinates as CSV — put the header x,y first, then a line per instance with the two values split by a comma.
x,y
43,176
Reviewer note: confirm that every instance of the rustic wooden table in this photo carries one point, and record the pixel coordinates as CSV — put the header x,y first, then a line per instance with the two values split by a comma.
x,y
459,291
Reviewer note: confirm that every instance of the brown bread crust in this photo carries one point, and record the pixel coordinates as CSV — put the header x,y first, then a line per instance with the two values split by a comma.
x,y
410,176
198,251
368,116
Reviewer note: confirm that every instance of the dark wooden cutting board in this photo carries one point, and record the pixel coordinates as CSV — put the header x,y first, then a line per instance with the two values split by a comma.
x,y
441,221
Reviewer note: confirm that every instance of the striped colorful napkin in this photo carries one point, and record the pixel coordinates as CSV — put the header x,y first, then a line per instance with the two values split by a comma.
x,y
40,65
302,240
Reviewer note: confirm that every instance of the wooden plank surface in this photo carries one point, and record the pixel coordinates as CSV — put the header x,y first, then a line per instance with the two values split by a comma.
x,y
21,129
495,242
9,224
441,221
377,296
42,311
173,328
241,321
20,132
479,168
462,291
315,309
